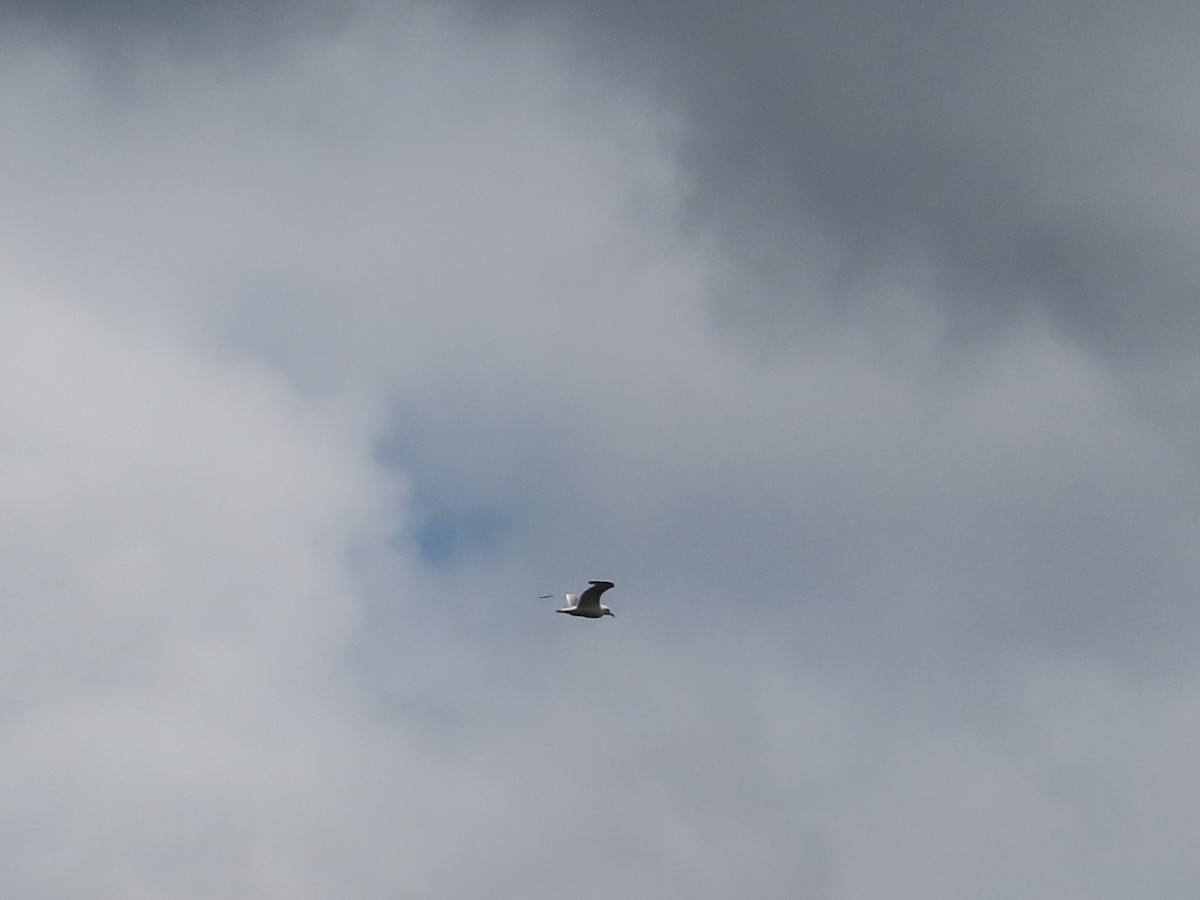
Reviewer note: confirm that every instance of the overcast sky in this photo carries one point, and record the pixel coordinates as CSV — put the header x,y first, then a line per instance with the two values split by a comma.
x,y
855,341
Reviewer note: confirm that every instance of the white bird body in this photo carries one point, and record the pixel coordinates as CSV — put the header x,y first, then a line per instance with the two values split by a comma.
x,y
587,605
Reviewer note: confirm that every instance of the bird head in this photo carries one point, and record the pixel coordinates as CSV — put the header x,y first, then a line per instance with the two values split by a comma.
x,y
608,612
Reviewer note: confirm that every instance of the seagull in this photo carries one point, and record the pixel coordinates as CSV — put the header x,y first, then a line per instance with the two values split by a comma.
x,y
588,603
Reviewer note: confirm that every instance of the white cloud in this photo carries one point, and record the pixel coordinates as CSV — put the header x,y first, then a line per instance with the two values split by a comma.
x,y
177,605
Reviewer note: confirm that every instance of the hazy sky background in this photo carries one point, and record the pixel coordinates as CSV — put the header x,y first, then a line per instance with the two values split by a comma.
x,y
856,342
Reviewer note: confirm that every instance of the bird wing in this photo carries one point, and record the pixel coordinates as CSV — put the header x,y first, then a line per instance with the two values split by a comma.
x,y
590,598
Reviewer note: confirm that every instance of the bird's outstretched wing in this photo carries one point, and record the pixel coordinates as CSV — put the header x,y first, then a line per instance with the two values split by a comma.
x,y
590,599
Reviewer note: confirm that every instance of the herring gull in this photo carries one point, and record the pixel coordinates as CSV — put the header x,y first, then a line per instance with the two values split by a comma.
x,y
588,603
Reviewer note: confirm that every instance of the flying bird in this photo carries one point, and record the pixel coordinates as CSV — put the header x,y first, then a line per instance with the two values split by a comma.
x,y
588,603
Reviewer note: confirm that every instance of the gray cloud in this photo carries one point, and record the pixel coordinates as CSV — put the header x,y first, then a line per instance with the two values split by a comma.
x,y
324,356
1030,157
